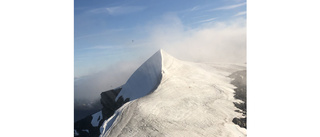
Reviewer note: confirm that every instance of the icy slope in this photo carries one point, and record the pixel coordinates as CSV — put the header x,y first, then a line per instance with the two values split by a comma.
x,y
144,80
192,99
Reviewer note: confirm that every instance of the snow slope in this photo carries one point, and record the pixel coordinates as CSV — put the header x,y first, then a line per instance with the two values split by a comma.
x,y
177,98
144,80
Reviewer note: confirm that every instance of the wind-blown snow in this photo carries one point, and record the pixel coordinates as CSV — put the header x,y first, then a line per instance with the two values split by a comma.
x,y
192,99
96,117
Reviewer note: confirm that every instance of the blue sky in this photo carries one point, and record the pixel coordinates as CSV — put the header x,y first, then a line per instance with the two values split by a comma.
x,y
107,32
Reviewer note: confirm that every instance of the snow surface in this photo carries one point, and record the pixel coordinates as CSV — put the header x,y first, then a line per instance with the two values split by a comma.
x,y
96,117
108,123
144,80
191,99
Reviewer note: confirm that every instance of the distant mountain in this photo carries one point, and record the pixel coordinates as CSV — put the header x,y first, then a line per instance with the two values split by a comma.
x,y
169,97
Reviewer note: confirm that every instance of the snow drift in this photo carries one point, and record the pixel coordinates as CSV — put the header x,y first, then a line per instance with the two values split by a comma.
x,y
169,97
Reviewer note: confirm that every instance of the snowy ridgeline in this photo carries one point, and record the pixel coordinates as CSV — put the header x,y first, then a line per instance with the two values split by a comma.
x,y
145,79
169,97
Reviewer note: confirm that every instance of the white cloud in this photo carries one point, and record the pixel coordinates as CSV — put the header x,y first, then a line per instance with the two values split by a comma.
x,y
195,8
105,33
89,87
207,20
104,47
98,10
118,10
230,6
217,42
241,13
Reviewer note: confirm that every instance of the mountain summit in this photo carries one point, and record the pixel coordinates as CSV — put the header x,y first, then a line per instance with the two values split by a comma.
x,y
145,79
169,97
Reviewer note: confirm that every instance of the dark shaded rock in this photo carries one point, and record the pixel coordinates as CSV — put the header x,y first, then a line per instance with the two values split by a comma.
x,y
240,81
109,104
242,122
84,128
242,106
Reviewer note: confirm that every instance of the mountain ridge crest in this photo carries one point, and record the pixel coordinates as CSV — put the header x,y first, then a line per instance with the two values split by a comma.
x,y
147,77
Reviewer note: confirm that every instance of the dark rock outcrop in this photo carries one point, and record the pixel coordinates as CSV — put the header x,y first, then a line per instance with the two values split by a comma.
x,y
240,81
109,104
84,128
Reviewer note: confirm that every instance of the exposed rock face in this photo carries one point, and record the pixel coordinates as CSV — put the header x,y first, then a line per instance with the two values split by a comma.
x,y
240,81
109,103
85,128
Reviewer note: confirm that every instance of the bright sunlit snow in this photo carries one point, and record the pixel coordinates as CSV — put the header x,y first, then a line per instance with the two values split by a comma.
x,y
191,99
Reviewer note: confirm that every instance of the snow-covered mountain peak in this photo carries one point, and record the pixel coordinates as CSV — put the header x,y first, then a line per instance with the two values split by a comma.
x,y
147,77
169,97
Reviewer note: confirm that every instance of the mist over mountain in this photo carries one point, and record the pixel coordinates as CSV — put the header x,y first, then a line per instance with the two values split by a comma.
x,y
87,89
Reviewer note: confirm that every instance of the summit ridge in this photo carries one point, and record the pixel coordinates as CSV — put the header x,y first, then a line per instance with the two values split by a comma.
x,y
147,77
